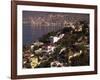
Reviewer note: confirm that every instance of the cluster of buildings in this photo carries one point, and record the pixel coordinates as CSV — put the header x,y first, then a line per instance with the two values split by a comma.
x,y
52,54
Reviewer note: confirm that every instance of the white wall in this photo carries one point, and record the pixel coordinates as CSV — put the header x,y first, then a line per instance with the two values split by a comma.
x,y
5,37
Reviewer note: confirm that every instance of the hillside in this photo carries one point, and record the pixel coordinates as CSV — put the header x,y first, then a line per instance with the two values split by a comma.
x,y
67,47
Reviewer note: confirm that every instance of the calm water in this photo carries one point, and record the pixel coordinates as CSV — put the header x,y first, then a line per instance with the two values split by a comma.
x,y
31,34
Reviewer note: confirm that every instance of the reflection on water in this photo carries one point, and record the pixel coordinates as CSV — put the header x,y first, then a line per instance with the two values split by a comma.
x,y
31,34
